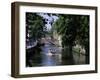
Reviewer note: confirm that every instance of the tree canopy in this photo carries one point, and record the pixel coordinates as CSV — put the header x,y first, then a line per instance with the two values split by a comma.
x,y
74,29
35,25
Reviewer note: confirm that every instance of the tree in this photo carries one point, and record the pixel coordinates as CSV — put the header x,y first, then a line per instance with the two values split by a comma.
x,y
83,35
73,28
35,25
66,26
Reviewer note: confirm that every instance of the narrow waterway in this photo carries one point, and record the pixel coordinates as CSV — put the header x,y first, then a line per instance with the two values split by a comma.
x,y
52,55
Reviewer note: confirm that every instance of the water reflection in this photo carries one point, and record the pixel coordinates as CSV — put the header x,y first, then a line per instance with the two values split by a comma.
x,y
51,55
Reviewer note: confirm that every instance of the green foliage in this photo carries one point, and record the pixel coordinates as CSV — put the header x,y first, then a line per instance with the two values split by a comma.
x,y
84,31
36,24
74,29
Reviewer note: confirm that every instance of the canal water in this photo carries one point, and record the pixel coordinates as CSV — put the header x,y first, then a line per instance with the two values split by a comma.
x,y
52,55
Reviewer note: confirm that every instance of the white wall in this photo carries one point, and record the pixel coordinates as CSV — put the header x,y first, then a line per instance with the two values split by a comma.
x,y
5,40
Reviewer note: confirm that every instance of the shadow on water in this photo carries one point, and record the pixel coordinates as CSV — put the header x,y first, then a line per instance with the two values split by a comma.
x,y
66,58
33,56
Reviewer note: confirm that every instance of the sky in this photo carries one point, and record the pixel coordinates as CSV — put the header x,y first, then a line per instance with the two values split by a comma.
x,y
49,19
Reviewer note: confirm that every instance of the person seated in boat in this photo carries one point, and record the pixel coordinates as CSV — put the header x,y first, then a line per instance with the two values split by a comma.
x,y
53,51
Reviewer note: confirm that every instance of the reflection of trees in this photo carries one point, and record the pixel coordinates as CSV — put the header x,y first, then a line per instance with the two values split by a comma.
x,y
74,29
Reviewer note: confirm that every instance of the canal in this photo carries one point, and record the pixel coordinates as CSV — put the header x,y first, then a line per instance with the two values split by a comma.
x,y
51,55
